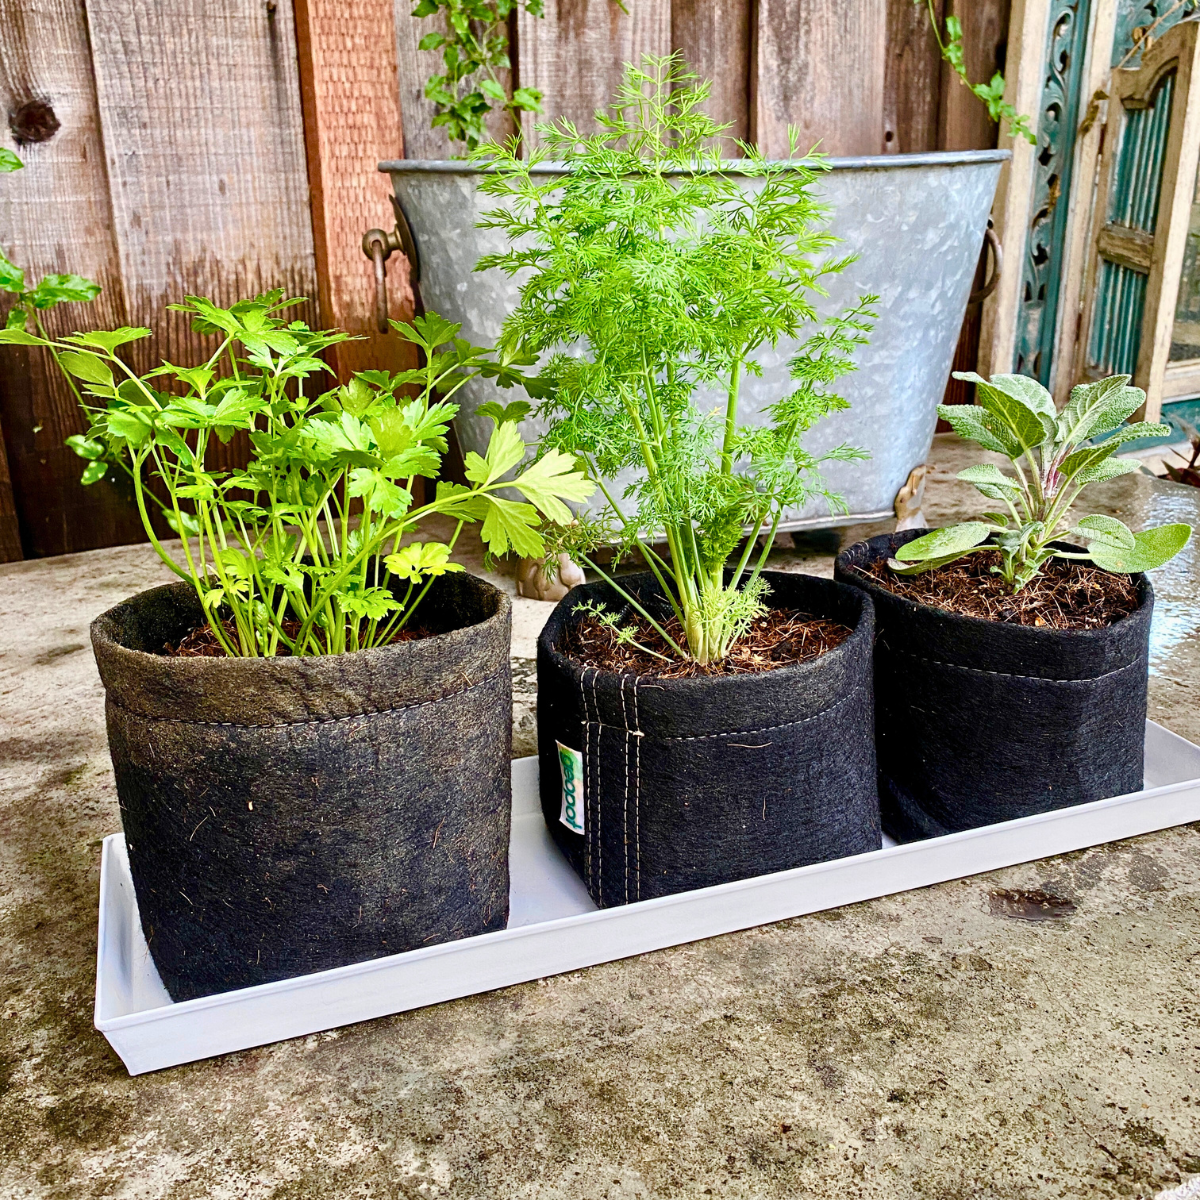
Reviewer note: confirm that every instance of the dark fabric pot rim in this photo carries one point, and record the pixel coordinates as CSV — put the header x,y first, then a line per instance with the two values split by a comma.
x,y
285,690
1002,646
896,540
729,684
720,704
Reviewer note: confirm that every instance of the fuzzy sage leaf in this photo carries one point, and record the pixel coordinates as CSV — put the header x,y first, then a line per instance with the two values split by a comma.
x,y
1053,460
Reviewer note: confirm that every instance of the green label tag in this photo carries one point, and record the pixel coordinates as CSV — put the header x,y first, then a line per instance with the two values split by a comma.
x,y
571,762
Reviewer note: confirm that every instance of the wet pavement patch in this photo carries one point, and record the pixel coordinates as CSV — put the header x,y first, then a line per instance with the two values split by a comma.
x,y
1035,905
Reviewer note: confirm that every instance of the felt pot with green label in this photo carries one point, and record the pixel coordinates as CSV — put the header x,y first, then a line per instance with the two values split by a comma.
x,y
653,786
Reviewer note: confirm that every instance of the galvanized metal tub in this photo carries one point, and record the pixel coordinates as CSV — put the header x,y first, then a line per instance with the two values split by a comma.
x,y
916,223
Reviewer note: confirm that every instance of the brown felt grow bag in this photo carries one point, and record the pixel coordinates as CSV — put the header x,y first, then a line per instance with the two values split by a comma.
x,y
981,721
289,815
688,783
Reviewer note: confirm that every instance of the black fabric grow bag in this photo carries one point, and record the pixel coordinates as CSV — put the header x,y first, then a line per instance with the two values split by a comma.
x,y
687,783
288,815
982,721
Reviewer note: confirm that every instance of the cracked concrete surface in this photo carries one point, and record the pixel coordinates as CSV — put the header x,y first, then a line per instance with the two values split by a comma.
x,y
931,1044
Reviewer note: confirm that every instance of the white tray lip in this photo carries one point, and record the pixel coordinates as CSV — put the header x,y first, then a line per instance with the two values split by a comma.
x,y
283,987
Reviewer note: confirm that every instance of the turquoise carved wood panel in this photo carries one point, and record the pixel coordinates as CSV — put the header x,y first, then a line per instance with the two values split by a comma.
x,y
1141,14
1134,193
1058,121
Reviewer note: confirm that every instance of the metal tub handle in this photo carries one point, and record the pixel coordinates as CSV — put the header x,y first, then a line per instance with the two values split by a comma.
x,y
990,239
379,245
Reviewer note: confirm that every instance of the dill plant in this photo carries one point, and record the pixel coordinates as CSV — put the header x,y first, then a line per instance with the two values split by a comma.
x,y
653,278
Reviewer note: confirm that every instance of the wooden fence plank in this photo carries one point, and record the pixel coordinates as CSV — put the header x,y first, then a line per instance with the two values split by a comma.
x,y
10,525
55,217
204,137
352,122
421,140
575,54
913,80
821,67
965,123
715,41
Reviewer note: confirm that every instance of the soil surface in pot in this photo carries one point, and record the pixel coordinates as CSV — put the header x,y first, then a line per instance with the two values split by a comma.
x,y
1066,595
201,642
777,638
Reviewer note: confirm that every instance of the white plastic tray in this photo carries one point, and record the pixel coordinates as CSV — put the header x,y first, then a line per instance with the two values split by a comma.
x,y
555,927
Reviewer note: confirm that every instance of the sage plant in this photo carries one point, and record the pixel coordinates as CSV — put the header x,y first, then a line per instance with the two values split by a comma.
x,y
1054,456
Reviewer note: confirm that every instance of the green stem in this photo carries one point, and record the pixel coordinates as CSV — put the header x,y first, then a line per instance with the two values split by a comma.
x,y
762,560
633,601
731,418
139,496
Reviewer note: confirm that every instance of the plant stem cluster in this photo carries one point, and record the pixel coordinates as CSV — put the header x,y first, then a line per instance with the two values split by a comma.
x,y
306,550
474,46
1054,456
652,274
991,93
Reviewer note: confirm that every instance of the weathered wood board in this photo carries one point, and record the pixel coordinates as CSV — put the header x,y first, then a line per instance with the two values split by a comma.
x,y
351,101
821,68
717,41
912,83
55,218
204,141
575,54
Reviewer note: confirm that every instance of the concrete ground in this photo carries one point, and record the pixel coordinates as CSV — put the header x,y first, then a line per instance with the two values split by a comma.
x,y
932,1044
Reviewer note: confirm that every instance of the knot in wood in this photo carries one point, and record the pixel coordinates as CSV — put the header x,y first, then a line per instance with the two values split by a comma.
x,y
33,121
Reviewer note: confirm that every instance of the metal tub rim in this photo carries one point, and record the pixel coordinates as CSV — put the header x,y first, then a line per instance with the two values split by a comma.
x,y
734,166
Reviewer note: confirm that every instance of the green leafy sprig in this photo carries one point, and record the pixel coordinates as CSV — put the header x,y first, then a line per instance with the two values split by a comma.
x,y
304,550
991,93
651,275
474,49
1053,459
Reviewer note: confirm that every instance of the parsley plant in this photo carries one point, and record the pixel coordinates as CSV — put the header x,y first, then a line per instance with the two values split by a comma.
x,y
281,560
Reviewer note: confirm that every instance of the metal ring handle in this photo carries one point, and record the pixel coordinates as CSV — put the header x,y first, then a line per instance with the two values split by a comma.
x,y
405,241
375,247
990,239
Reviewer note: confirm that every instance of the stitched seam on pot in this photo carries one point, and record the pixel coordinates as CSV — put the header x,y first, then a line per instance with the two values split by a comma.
x,y
637,791
587,782
599,840
707,737
624,713
933,662
364,716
